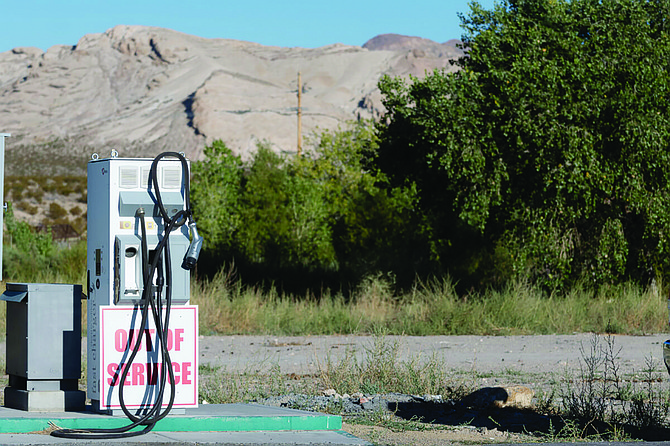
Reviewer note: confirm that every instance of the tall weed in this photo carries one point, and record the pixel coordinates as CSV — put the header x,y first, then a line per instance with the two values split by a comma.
x,y
600,402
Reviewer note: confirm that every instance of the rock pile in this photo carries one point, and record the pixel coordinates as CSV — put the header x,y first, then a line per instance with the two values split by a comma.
x,y
488,398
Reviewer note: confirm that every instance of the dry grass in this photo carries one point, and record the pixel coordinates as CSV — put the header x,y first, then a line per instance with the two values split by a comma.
x,y
228,307
433,308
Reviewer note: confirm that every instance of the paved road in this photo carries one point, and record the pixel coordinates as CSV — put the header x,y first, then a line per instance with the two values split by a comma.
x,y
535,354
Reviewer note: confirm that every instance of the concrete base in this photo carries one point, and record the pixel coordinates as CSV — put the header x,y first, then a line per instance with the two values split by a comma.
x,y
209,424
206,418
45,400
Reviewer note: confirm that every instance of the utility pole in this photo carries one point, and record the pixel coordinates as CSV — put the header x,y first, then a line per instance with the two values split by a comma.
x,y
299,114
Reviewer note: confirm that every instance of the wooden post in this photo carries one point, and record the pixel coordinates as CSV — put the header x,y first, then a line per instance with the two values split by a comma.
x,y
299,114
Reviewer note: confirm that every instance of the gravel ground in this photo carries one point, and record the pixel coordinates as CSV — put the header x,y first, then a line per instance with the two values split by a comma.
x,y
540,363
392,415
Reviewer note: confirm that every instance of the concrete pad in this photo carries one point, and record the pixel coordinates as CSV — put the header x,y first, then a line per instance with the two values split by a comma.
x,y
296,438
208,417
215,424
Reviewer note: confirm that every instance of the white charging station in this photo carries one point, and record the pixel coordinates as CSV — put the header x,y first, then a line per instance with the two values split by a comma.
x,y
118,190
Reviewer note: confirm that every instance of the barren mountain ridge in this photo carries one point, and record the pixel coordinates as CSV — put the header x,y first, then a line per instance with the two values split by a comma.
x,y
142,90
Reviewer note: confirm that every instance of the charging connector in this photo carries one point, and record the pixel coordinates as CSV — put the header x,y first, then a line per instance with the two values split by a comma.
x,y
194,248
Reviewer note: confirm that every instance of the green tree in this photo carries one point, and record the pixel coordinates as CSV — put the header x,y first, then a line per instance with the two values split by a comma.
x,y
548,151
370,221
215,195
284,215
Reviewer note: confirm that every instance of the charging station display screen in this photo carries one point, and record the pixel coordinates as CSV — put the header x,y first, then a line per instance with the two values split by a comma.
x,y
141,385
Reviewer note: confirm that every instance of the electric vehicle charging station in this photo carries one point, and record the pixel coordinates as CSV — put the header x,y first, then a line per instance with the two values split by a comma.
x,y
127,226
139,219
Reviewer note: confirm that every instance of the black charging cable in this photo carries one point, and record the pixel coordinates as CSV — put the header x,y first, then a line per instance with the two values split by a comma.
x,y
153,268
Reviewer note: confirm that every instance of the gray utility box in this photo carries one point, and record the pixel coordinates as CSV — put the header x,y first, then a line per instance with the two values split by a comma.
x,y
43,347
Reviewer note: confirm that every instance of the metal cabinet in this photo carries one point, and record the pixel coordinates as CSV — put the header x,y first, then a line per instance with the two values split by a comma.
x,y
43,358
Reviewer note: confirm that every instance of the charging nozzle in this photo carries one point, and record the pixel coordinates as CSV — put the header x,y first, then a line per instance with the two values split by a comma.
x,y
193,251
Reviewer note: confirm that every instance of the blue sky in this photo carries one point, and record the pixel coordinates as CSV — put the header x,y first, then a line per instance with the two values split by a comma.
x,y
43,23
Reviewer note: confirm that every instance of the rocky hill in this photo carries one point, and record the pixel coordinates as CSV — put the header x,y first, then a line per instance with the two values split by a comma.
x,y
142,90
423,47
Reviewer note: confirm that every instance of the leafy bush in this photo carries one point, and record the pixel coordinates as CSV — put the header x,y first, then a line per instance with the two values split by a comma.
x,y
24,239
30,256
303,219
284,214
56,211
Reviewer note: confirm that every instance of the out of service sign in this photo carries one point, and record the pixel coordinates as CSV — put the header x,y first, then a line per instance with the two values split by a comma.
x,y
120,331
